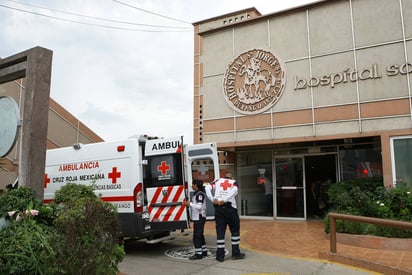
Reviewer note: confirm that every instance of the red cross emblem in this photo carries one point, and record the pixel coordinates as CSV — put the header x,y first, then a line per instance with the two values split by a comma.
x,y
163,167
114,175
226,184
46,180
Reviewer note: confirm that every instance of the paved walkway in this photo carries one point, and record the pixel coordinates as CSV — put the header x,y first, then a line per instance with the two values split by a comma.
x,y
172,258
275,247
307,240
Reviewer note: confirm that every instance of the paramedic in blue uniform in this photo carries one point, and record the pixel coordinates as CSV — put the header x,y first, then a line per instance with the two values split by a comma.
x,y
198,215
222,192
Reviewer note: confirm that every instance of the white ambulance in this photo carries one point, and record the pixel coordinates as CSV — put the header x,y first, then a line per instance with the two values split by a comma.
x,y
144,177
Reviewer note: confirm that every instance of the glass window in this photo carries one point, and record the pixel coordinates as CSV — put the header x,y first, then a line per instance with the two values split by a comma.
x,y
203,169
164,171
254,172
401,161
360,161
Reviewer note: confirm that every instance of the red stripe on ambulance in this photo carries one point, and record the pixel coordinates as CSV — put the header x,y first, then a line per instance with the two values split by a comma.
x,y
106,199
122,198
173,194
159,211
173,209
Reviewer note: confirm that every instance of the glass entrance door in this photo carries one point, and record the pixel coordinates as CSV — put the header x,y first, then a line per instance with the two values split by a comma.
x,y
289,187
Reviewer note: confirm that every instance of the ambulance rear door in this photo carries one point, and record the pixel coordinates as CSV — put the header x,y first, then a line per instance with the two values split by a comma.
x,y
165,184
202,163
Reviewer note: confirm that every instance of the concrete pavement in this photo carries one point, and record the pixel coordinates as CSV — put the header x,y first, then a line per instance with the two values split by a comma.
x,y
152,259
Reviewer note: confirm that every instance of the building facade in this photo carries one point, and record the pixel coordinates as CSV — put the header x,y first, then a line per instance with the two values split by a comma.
x,y
305,97
63,130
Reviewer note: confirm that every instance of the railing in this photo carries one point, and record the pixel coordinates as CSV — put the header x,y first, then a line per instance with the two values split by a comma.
x,y
384,222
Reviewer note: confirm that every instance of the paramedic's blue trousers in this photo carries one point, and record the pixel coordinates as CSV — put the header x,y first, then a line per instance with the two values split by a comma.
x,y
198,235
227,216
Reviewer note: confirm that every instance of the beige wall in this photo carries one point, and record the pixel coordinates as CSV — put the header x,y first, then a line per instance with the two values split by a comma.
x,y
317,41
65,129
368,38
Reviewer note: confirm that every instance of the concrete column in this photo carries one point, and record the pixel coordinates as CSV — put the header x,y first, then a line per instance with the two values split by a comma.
x,y
34,64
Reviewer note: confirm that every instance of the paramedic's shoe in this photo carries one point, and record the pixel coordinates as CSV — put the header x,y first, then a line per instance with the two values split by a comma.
x,y
196,257
204,253
238,256
220,259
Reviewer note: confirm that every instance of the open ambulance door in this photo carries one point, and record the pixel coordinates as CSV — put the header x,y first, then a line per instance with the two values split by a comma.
x,y
202,163
165,184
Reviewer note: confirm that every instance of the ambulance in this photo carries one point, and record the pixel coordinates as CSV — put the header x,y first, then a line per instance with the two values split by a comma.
x,y
146,178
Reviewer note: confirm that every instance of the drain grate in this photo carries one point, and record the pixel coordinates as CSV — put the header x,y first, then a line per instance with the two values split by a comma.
x,y
183,253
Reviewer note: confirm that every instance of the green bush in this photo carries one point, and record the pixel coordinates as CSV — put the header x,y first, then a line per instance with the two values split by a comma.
x,y
399,201
72,192
18,200
25,247
91,248
77,234
368,197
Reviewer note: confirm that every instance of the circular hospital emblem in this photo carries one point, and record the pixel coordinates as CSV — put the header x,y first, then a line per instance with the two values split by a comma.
x,y
254,81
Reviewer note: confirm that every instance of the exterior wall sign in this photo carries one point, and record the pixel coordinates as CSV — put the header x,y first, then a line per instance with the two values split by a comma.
x,y
334,79
254,81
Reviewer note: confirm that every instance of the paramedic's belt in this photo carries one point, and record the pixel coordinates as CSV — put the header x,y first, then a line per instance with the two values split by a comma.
x,y
226,204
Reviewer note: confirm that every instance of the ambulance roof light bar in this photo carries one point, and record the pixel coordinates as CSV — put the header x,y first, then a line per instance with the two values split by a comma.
x,y
146,137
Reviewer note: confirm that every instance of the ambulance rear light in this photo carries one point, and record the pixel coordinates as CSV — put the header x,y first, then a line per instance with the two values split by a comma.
x,y
121,148
138,198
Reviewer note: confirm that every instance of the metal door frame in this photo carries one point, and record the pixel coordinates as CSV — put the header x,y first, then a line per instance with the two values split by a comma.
x,y
301,156
274,157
